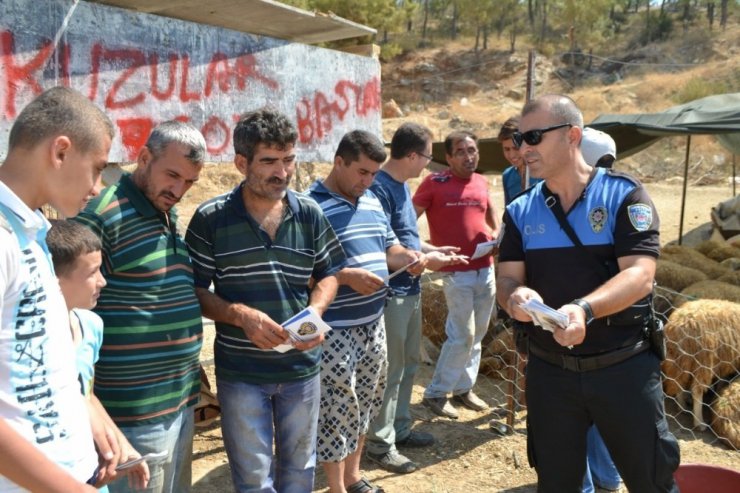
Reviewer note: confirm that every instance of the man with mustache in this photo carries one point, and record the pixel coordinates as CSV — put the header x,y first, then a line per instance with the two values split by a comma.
x,y
148,376
269,253
460,213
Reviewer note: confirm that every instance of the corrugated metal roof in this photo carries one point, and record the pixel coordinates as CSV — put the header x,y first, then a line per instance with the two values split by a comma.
x,y
264,17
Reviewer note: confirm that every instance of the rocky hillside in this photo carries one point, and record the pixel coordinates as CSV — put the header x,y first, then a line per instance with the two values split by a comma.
x,y
453,87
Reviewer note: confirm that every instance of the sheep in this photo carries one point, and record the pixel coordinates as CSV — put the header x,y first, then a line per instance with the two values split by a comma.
x,y
718,250
703,344
726,414
673,275
716,290
689,257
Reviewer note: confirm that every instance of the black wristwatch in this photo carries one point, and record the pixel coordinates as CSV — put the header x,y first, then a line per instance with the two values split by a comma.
x,y
586,309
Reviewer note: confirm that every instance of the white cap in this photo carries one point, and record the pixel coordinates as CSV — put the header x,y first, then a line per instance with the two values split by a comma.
x,y
595,144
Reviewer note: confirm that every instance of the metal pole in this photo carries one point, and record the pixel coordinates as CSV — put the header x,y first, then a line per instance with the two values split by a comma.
x,y
734,175
685,184
529,96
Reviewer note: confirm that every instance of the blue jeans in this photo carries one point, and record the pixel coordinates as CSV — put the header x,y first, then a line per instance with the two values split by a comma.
x,y
252,416
600,467
470,298
174,473
402,317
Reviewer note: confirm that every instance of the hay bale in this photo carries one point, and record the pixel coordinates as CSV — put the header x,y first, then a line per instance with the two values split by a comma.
x,y
726,414
433,312
689,257
675,276
723,251
493,367
498,354
703,345
712,290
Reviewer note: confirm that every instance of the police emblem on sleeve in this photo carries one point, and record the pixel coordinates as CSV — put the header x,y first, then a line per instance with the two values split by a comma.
x,y
307,329
641,216
597,218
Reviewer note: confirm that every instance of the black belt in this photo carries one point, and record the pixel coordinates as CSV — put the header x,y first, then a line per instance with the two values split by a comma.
x,y
588,363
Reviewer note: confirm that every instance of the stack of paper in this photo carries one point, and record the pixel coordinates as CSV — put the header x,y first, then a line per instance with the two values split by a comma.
x,y
544,316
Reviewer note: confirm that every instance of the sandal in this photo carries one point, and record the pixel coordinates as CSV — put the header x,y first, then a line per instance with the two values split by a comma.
x,y
364,486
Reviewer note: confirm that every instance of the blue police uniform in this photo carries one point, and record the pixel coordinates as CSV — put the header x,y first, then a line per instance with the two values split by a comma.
x,y
611,379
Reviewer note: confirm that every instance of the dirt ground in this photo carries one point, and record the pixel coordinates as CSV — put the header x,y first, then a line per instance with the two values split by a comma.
x,y
469,456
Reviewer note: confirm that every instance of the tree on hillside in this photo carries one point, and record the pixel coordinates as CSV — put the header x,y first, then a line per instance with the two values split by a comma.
x,y
383,15
588,21
723,14
509,16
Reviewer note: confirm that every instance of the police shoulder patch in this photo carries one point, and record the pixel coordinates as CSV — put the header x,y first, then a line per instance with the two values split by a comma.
x,y
641,216
597,218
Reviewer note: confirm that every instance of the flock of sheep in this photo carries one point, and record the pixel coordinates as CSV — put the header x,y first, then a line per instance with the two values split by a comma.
x,y
698,294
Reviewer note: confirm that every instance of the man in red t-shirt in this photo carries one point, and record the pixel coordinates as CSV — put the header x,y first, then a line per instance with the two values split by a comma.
x,y
460,213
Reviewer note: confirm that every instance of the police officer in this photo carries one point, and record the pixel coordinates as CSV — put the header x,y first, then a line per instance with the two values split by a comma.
x,y
585,241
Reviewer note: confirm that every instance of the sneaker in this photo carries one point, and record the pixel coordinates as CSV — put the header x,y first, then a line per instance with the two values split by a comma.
x,y
416,439
440,406
393,461
471,401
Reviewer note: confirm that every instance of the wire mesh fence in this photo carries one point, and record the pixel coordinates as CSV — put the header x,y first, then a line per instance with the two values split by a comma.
x,y
702,399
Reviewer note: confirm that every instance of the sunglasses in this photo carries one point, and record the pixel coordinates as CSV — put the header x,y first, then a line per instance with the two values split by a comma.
x,y
534,137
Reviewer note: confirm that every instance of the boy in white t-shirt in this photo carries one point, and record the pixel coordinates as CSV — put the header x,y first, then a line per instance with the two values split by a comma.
x,y
57,148
76,254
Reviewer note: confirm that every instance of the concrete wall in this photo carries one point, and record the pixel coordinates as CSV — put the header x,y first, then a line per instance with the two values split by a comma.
x,y
143,69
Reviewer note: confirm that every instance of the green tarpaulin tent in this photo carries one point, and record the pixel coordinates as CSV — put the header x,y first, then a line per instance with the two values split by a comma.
x,y
717,115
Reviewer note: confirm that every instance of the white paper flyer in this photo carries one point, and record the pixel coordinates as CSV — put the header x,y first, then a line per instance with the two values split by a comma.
x,y
483,249
303,326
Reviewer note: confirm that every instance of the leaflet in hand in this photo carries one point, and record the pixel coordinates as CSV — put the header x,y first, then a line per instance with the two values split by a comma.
x,y
154,456
402,269
544,316
303,326
484,248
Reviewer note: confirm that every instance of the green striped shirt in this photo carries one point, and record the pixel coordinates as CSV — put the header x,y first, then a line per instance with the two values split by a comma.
x,y
149,362
230,250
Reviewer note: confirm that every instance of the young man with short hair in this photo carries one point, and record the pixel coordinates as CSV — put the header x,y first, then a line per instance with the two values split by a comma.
x,y
353,365
57,148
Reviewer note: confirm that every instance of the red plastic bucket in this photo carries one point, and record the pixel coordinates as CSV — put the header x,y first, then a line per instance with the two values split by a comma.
x,y
704,478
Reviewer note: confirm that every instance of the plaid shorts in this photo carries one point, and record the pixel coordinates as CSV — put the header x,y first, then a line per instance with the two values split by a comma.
x,y
353,379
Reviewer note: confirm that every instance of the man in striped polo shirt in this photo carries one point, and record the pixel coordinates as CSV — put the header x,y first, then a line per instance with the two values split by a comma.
x,y
353,364
269,253
148,375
